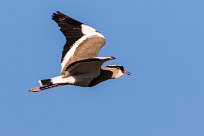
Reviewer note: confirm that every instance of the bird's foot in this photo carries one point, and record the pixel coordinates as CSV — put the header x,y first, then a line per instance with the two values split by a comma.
x,y
37,89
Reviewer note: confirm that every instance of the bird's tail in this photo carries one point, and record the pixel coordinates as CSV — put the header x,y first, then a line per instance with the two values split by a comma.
x,y
49,83
54,80
45,82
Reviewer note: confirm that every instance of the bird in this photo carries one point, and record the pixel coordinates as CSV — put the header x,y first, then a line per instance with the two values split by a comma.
x,y
80,64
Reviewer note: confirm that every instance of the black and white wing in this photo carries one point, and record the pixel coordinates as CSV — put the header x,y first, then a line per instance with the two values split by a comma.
x,y
90,66
83,41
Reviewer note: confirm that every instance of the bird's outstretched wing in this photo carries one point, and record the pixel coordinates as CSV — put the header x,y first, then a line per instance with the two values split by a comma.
x,y
91,66
83,41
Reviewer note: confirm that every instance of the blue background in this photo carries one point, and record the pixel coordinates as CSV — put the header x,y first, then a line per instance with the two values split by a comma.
x,y
161,42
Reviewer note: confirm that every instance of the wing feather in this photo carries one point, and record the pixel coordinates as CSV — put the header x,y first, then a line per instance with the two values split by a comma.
x,y
91,66
83,41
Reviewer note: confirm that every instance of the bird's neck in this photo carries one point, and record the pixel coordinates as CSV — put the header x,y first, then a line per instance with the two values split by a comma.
x,y
115,73
105,74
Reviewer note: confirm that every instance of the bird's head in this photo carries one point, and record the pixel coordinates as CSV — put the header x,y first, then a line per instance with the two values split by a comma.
x,y
118,70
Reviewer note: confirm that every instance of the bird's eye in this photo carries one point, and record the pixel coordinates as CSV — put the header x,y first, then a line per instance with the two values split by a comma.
x,y
118,68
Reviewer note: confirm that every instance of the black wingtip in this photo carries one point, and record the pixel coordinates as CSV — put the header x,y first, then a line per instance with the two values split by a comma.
x,y
58,12
61,18
58,16
113,58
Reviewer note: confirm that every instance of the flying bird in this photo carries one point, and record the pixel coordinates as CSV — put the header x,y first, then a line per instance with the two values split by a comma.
x,y
80,64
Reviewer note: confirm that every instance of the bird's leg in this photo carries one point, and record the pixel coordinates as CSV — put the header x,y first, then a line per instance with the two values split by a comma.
x,y
38,89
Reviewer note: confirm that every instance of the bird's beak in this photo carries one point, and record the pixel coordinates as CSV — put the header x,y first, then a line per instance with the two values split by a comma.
x,y
126,72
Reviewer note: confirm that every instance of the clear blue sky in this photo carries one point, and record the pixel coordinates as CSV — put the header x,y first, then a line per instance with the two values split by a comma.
x,y
160,41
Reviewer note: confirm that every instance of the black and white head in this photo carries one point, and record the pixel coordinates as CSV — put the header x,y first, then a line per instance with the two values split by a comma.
x,y
118,70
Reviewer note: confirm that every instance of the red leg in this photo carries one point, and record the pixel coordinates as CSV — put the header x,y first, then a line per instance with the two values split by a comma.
x,y
37,89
